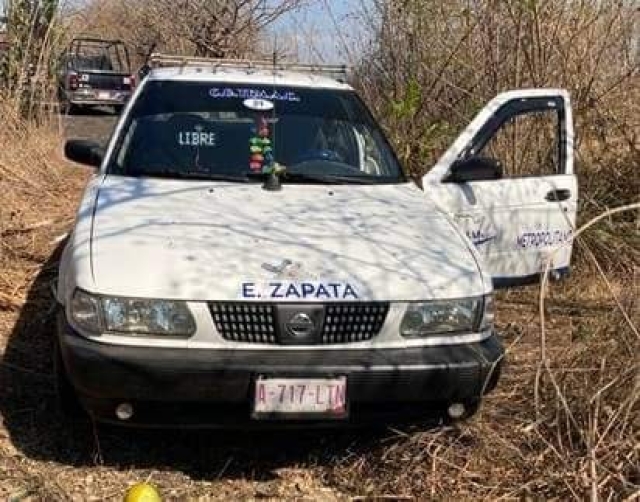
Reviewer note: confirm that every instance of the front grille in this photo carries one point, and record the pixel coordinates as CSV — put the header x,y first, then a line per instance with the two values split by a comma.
x,y
259,323
356,322
243,322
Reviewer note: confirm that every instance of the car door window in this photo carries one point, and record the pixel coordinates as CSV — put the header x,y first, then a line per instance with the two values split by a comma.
x,y
527,136
527,145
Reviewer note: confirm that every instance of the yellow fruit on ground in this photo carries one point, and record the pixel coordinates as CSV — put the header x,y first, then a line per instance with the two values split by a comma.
x,y
142,492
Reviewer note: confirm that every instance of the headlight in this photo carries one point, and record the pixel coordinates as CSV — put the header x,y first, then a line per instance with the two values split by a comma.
x,y
443,317
133,316
488,316
153,317
85,311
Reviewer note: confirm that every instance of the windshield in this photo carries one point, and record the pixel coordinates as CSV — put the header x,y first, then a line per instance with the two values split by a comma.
x,y
239,132
89,55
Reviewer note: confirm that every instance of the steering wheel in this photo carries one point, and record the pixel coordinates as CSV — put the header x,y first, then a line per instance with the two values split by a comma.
x,y
310,155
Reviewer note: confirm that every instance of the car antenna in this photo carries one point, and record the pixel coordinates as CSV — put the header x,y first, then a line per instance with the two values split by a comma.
x,y
273,183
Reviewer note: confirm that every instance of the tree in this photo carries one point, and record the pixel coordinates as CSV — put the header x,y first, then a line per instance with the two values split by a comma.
x,y
29,41
222,28
205,28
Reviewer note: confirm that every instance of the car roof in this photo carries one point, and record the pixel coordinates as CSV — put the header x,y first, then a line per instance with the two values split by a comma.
x,y
283,78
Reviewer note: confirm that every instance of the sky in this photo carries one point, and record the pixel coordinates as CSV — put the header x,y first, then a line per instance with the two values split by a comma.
x,y
319,31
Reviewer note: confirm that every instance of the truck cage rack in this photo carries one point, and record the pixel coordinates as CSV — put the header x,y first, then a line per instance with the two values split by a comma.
x,y
158,60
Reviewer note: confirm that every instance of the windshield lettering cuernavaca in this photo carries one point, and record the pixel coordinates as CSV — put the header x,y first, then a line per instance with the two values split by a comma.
x,y
203,131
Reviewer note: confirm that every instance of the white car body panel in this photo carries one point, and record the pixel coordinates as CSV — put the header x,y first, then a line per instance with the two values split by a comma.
x,y
516,230
194,240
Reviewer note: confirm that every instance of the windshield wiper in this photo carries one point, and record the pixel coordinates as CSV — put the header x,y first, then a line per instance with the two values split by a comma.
x,y
329,178
191,175
319,178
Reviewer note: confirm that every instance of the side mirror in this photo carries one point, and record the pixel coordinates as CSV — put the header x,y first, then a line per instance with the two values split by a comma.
x,y
84,151
474,169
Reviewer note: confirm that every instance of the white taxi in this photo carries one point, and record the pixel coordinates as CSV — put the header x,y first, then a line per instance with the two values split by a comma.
x,y
251,252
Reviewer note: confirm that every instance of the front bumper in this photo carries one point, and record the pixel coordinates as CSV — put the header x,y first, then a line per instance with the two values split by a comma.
x,y
197,387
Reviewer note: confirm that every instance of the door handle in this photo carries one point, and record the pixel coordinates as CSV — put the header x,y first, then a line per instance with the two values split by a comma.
x,y
558,195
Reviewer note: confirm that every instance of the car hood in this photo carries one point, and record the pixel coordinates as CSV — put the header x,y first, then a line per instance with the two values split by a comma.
x,y
196,240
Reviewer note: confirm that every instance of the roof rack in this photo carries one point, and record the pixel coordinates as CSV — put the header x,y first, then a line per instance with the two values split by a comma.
x,y
158,60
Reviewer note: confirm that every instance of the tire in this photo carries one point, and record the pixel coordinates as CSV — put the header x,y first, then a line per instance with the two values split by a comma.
x,y
67,403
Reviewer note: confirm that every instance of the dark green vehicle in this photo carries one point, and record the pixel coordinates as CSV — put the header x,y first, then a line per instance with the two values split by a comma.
x,y
95,72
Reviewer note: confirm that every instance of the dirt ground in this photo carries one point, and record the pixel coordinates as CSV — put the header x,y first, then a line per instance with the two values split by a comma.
x,y
96,123
42,458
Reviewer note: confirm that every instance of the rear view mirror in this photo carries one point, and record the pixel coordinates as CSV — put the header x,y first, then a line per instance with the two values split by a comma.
x,y
474,169
84,152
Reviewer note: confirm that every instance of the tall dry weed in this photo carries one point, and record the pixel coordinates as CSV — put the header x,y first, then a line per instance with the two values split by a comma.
x,y
28,69
35,184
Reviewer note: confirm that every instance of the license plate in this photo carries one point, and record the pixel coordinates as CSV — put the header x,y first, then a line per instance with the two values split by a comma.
x,y
300,398
104,95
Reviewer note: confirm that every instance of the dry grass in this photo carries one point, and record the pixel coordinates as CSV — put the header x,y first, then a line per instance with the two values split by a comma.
x,y
564,445
36,198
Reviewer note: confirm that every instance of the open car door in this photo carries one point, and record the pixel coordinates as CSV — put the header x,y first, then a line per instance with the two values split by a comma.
x,y
509,183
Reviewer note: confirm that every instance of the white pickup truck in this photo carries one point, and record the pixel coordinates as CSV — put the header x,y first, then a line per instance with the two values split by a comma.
x,y
250,252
